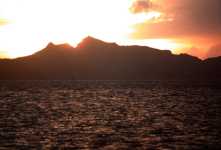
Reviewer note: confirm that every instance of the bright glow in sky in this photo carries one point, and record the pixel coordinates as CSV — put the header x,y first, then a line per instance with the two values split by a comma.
x,y
27,26
31,24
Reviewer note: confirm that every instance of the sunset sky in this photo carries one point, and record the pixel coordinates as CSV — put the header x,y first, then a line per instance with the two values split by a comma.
x,y
183,26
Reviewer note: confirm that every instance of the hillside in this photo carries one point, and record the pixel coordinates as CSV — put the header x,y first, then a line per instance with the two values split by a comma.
x,y
94,59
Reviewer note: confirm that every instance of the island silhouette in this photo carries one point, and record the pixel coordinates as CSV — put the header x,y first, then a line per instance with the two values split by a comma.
x,y
94,59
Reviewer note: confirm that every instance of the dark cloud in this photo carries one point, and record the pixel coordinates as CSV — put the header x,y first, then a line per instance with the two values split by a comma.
x,y
214,51
183,18
140,6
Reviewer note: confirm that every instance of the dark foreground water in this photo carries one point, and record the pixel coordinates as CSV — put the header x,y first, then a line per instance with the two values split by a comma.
x,y
109,115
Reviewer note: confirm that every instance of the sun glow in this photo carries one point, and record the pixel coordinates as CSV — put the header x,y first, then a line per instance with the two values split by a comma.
x,y
164,44
31,24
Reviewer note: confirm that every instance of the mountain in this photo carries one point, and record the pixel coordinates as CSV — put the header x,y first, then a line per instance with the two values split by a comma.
x,y
95,59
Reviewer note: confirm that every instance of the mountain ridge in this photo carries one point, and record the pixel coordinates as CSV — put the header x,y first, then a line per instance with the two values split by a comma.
x,y
94,59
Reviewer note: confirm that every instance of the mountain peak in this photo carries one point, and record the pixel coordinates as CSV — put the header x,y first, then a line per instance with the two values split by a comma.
x,y
50,45
91,39
91,42
52,49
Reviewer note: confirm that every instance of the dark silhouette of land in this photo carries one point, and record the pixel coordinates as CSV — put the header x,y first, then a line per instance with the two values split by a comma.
x,y
94,59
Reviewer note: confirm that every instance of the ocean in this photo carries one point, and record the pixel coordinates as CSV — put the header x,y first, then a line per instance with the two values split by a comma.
x,y
110,115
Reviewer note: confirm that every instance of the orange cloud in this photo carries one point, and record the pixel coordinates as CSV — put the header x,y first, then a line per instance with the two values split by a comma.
x,y
214,51
184,18
181,20
141,6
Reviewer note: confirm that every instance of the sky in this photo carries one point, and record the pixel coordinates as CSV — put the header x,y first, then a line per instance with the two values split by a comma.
x,y
183,26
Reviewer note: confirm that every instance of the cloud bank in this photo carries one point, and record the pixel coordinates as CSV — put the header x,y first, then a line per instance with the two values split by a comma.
x,y
140,6
214,51
184,18
189,19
